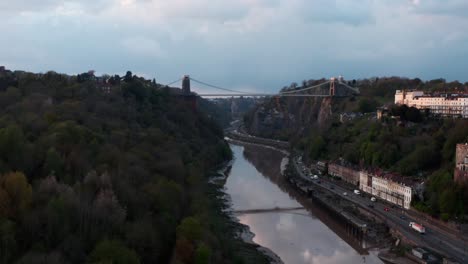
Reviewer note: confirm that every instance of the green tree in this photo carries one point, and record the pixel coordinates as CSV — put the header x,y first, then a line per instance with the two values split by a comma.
x,y
202,254
7,240
53,162
190,228
166,196
113,252
317,146
15,194
128,76
448,202
12,147
367,105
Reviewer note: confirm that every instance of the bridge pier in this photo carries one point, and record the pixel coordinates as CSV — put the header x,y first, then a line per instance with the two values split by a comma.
x,y
186,84
332,86
187,96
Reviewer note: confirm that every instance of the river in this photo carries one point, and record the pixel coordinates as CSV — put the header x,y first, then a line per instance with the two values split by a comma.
x,y
299,236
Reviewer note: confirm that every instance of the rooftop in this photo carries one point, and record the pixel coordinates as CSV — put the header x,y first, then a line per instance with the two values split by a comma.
x,y
394,177
445,94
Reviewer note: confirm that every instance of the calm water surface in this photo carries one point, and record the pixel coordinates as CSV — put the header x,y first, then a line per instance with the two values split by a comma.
x,y
295,236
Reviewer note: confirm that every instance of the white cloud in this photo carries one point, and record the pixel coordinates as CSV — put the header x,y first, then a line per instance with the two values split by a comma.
x,y
260,44
142,46
447,7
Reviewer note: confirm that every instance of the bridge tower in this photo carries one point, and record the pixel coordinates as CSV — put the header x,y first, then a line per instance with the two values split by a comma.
x,y
332,86
186,84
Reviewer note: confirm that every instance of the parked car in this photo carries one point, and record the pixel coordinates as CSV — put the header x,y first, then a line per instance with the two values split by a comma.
x,y
403,217
345,193
357,192
331,187
373,199
371,205
386,209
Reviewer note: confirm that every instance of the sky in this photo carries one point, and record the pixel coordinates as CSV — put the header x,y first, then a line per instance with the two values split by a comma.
x,y
250,45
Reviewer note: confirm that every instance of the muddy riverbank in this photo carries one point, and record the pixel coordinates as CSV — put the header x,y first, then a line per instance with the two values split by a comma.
x,y
308,235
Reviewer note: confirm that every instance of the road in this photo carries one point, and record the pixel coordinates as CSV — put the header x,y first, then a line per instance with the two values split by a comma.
x,y
396,219
434,239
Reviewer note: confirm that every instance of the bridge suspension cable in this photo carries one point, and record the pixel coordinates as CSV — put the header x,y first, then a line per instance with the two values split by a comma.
x,y
171,83
355,89
217,87
295,93
304,89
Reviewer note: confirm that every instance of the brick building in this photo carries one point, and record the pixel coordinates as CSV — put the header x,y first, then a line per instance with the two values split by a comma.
x,y
461,164
344,170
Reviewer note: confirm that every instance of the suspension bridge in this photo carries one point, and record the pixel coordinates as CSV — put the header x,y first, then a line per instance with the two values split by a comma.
x,y
334,87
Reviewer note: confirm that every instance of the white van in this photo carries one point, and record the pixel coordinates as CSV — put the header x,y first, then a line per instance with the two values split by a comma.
x,y
373,199
357,192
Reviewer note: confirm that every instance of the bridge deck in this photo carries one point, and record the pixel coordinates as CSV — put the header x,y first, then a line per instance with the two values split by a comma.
x,y
266,95
268,210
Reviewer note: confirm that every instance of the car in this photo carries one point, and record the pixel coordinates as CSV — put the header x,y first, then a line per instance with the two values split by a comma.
x,y
331,187
403,217
345,193
386,209
371,205
373,199
357,192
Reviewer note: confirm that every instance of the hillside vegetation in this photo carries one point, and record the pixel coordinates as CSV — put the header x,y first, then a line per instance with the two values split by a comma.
x,y
421,146
92,172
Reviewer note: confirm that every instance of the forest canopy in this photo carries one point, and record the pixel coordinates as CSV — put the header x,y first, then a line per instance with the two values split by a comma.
x,y
106,170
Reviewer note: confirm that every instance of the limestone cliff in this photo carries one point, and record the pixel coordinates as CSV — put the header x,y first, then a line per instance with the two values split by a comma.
x,y
285,117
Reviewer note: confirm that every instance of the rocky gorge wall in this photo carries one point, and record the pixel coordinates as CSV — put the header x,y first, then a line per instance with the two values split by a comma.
x,y
284,117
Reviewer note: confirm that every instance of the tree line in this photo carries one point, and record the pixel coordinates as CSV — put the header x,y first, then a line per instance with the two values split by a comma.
x,y
118,175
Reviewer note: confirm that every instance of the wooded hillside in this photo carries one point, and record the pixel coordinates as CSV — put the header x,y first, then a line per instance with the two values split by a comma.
x,y
106,172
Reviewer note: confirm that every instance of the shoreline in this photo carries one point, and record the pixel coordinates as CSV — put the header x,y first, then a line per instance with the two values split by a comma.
x,y
241,231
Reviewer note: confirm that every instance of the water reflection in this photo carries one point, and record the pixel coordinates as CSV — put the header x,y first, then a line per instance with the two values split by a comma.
x,y
255,182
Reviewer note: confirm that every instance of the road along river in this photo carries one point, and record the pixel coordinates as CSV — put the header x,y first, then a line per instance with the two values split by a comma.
x,y
259,192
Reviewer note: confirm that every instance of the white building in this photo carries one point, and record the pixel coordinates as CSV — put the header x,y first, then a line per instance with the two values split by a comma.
x,y
390,187
365,182
447,105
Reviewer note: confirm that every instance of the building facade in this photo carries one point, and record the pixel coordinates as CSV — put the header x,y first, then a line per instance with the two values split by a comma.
x,y
390,187
461,164
322,167
445,105
365,182
344,171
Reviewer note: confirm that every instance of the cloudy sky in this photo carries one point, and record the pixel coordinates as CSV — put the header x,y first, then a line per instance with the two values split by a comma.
x,y
239,44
